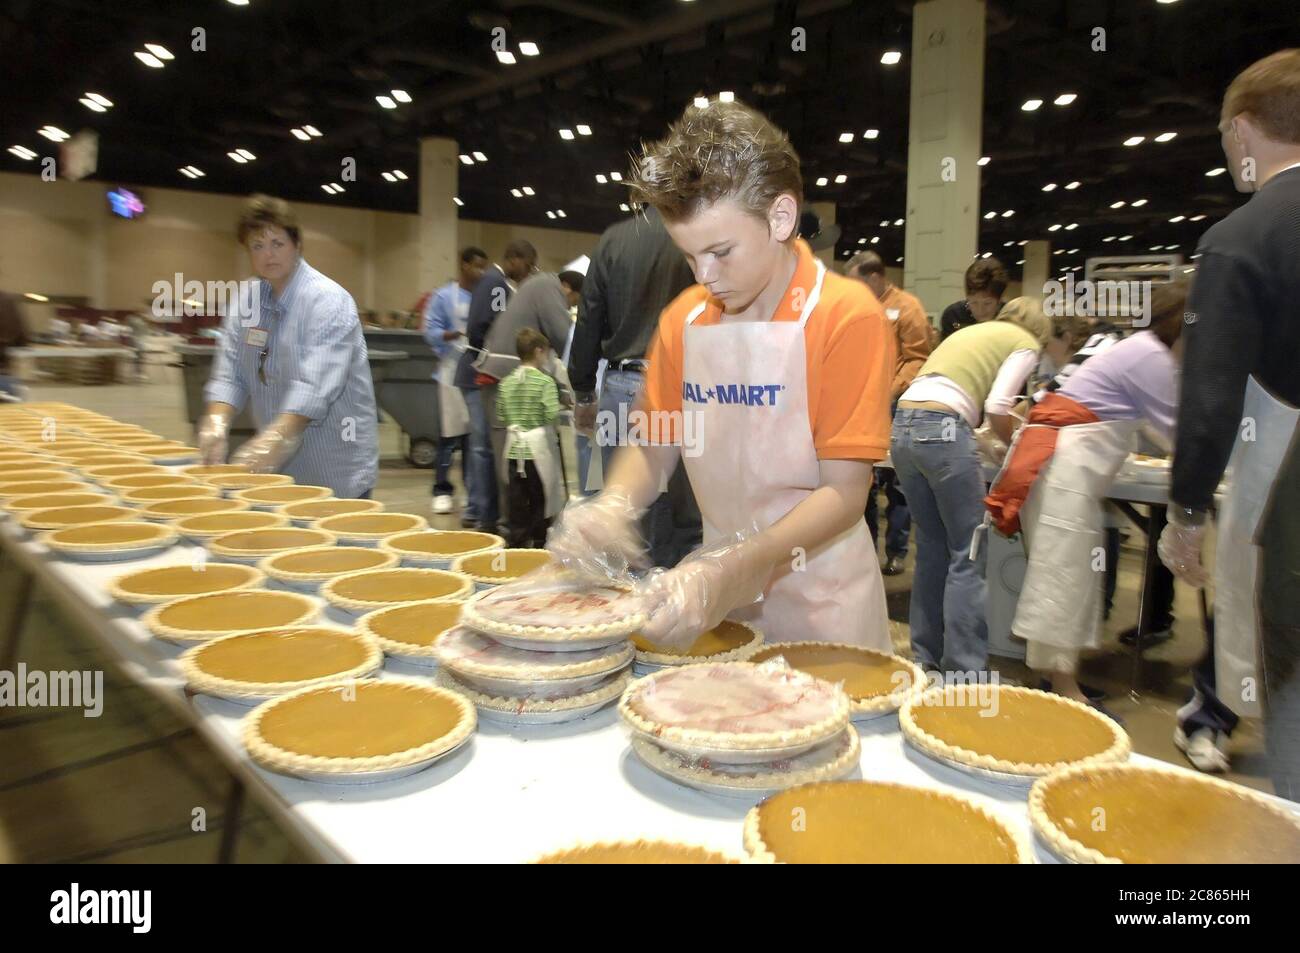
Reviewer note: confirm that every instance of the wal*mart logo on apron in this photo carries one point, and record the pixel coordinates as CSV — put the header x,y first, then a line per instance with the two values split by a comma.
x,y
750,395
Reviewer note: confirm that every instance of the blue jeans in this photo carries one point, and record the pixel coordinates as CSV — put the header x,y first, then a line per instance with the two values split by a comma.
x,y
447,447
671,525
935,457
584,464
481,479
898,521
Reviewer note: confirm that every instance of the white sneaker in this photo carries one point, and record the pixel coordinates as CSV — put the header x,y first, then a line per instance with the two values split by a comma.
x,y
442,504
1205,748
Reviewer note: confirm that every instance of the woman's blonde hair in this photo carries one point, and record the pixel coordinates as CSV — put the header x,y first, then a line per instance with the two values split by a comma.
x,y
722,150
1028,313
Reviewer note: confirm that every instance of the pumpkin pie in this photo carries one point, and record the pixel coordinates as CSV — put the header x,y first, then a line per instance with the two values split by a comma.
x,y
555,614
156,494
124,536
498,566
256,544
411,629
636,852
113,459
474,656
876,682
306,514
257,665
26,463
358,728
829,761
735,707
875,822
365,591
438,548
231,482
548,703
206,526
366,529
46,501
728,641
136,481
36,487
1127,814
168,452
147,587
112,471
269,497
199,618
204,470
311,567
47,472
191,506
1010,730
60,516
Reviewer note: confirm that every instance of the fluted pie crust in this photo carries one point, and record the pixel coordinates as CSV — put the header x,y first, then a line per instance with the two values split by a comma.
x,y
110,537
370,527
441,544
830,654
636,852
1115,745
601,694
250,543
61,516
482,615
278,566
198,672
129,587
758,776
457,587
225,613
479,566
610,660
746,638
432,618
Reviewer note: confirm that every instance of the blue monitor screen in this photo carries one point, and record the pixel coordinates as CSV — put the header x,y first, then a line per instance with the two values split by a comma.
x,y
125,203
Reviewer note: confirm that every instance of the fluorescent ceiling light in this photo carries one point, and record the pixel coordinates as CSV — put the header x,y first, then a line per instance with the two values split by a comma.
x,y
1218,171
616,176
1008,213
159,51
53,133
300,134
386,102
1177,218
1139,203
529,48
1054,228
237,157
560,212
875,239
1030,105
990,214
401,95
1166,137
1119,204
583,129
479,157
22,152
506,57
846,137
885,223
600,177
246,154
726,96
1196,218
399,174
984,160
311,131
823,180
841,179
566,135
898,221
516,193
388,176
701,102
198,173
1065,99
106,103
550,214
92,105
1072,226
1134,140
148,59
871,134
1049,187
623,206
457,200
891,57
1073,185
528,190
1126,238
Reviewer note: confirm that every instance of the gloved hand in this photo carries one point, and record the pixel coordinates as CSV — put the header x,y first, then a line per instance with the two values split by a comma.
x,y
1180,549
214,430
706,585
599,537
271,449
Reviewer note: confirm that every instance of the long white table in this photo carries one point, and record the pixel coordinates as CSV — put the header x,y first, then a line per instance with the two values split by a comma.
x,y
510,795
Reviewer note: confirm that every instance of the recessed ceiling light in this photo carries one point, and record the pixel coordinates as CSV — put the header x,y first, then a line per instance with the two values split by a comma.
x,y
237,157
194,171
1166,137
1030,105
890,57
388,176
399,174
841,179
1139,203
35,297
566,134
1072,226
862,241
466,159
479,157
1135,140
623,206
529,48
237,3
1007,244
846,137
1020,262
327,189
616,176
1059,251
1196,218
550,214
386,102
1022,243
159,51
1126,238
600,177
506,57
885,223
187,173
701,102
871,134
560,212
875,239
148,59
1073,251
583,129
92,105
987,254
401,95
1109,238
983,160
1218,171
516,193
22,152
1054,228
103,101
528,190
990,214
458,202
1177,218
1008,213
1171,248
311,131
1156,247
1119,204
898,221
1073,185
1065,99
823,180
726,96
1049,187
300,134
246,154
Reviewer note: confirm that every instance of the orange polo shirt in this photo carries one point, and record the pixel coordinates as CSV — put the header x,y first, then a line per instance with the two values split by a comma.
x,y
851,352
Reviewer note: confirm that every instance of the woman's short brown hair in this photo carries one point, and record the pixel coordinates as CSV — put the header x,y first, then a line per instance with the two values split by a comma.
x,y
263,212
1168,308
1269,92
718,151
987,274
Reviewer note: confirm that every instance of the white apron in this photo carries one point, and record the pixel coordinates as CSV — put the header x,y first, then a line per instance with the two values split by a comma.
x,y
453,414
1253,466
542,442
1062,520
759,462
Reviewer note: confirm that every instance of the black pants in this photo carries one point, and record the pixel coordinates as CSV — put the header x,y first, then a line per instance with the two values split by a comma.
x,y
1162,582
1279,616
526,503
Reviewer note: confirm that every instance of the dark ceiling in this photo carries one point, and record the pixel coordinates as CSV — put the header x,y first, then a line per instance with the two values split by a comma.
x,y
625,69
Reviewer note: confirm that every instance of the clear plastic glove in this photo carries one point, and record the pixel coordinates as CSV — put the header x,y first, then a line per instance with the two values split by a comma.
x,y
599,537
990,445
214,432
1180,550
697,595
269,450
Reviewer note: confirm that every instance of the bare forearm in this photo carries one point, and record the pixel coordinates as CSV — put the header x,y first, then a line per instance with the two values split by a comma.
x,y
638,472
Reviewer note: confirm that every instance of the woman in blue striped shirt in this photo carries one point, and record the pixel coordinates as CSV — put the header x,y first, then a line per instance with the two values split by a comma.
x,y
292,350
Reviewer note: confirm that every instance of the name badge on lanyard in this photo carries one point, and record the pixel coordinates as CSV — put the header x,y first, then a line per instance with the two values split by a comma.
x,y
256,337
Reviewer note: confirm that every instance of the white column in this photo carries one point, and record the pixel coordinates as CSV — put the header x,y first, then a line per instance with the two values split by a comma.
x,y
439,181
1038,264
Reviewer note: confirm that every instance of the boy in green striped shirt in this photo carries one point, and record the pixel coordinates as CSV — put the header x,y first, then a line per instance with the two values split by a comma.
x,y
528,403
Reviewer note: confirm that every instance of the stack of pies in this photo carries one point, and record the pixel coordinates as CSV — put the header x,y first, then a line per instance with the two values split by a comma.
x,y
200,618
352,595
254,545
728,641
273,497
877,683
411,630
207,526
230,483
358,731
307,514
253,666
61,516
1008,733
636,852
499,566
169,510
367,529
151,587
741,729
529,654
870,822
437,549
306,570
1126,814
109,542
